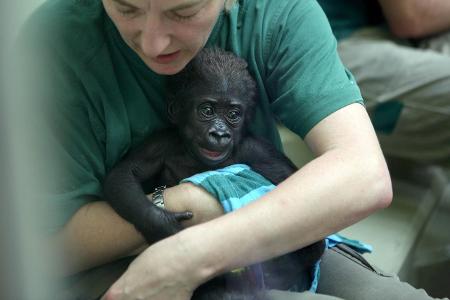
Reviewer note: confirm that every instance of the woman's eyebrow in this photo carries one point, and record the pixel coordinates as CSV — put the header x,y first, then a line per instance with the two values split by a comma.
x,y
124,3
187,4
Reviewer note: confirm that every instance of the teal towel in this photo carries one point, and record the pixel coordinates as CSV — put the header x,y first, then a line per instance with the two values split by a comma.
x,y
234,186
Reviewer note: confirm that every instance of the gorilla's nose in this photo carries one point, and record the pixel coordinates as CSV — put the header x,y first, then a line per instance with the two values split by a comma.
x,y
219,137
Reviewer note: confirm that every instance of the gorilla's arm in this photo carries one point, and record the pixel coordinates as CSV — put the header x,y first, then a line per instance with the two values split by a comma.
x,y
123,189
265,159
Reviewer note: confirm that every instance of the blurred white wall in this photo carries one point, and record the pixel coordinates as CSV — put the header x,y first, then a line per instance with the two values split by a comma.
x,y
18,255
19,11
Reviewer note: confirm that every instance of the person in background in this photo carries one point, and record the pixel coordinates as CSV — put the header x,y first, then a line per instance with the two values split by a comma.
x,y
399,53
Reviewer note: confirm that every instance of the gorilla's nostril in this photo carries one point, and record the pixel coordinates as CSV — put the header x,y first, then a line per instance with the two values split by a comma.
x,y
220,134
225,135
219,137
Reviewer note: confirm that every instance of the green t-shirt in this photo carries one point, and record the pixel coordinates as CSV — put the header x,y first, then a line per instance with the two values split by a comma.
x,y
103,100
347,16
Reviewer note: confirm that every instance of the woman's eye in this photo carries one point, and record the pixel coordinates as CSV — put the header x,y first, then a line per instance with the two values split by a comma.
x,y
127,11
187,13
182,16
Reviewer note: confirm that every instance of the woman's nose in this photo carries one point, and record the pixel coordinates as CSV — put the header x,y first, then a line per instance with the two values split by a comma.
x,y
155,37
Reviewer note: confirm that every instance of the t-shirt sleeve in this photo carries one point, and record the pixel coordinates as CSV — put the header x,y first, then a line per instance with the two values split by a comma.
x,y
305,77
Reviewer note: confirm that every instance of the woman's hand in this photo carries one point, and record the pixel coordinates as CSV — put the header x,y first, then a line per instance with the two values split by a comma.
x,y
161,272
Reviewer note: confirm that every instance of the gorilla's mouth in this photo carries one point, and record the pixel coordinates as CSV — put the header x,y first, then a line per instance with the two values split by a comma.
x,y
209,153
213,155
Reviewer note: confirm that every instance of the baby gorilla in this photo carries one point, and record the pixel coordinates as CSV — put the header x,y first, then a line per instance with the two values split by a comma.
x,y
211,103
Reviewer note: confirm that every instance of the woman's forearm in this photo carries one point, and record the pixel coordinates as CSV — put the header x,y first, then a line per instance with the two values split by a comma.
x,y
93,236
347,182
96,234
305,208
188,197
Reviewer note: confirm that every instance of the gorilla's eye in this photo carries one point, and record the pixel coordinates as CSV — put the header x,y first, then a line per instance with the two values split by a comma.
x,y
234,115
206,111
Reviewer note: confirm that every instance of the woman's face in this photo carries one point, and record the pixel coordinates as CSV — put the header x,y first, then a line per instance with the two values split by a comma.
x,y
166,34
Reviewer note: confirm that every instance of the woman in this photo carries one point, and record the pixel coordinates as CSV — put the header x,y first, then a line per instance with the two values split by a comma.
x,y
106,71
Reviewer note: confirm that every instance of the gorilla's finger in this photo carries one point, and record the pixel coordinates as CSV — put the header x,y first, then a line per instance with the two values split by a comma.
x,y
183,216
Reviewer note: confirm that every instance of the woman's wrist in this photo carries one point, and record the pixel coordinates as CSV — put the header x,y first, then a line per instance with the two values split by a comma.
x,y
202,264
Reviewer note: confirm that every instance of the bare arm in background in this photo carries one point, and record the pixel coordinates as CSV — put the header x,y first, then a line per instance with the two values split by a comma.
x,y
416,18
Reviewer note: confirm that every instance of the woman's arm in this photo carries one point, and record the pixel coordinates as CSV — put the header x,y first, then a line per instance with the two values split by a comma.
x,y
417,18
345,183
96,235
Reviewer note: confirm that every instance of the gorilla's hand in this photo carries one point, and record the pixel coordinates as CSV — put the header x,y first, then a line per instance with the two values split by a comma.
x,y
161,223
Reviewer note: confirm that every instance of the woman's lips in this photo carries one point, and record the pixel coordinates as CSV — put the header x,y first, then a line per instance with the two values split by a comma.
x,y
167,58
